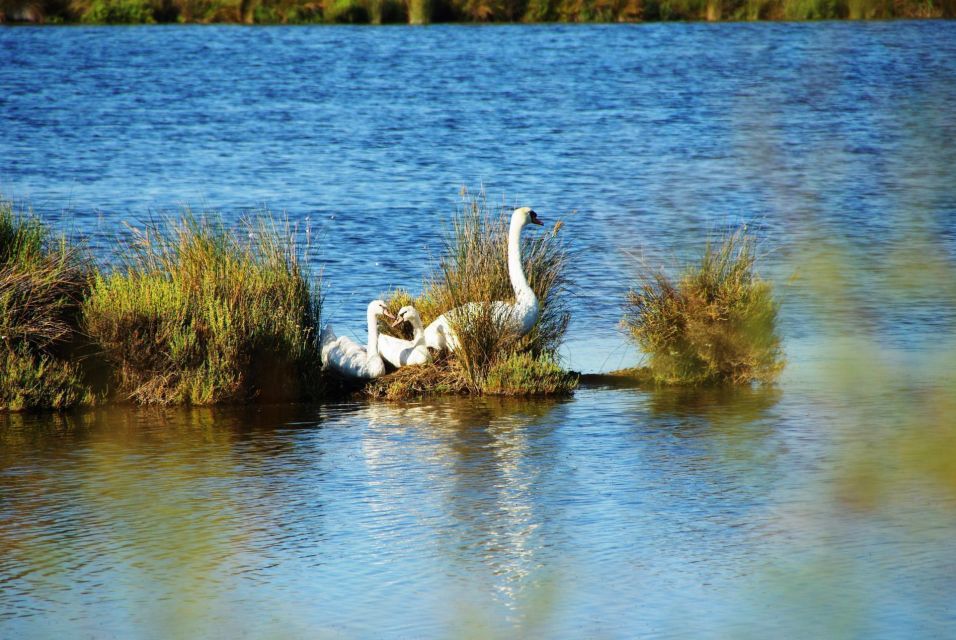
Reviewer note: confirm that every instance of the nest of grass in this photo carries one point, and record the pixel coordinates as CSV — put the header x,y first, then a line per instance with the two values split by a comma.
x,y
443,376
474,268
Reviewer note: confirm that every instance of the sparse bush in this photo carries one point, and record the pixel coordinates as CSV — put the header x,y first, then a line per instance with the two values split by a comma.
x,y
198,316
119,12
347,12
717,324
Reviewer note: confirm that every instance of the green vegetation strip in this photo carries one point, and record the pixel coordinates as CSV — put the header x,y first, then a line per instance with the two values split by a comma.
x,y
426,11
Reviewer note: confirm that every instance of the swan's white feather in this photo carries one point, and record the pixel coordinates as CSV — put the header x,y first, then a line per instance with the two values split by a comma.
x,y
349,357
401,353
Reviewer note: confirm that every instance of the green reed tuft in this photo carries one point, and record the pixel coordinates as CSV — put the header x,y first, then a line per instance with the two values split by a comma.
x,y
42,280
717,324
199,314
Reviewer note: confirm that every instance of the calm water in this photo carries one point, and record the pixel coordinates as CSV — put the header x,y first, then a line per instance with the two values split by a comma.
x,y
620,513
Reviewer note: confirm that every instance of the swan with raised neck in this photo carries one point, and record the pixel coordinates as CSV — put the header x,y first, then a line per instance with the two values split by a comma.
x,y
523,313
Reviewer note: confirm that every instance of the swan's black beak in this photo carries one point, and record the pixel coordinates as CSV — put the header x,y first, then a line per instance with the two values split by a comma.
x,y
535,219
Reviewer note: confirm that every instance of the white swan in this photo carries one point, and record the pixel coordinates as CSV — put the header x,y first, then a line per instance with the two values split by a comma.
x,y
522,314
350,358
400,353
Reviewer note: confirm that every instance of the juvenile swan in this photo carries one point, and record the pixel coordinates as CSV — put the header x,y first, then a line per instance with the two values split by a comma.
x,y
522,314
350,358
400,353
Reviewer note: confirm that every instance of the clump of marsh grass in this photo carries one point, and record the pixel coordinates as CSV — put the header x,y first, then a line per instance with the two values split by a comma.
x,y
199,314
42,282
716,324
474,268
523,374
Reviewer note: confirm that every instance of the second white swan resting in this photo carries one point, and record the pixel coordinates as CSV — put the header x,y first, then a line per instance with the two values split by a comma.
x,y
350,358
522,314
400,353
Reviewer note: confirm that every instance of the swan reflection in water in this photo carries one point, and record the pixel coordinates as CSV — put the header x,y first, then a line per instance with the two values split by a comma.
x,y
481,464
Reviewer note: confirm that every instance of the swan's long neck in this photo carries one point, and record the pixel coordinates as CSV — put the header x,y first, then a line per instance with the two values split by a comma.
x,y
372,335
523,292
418,331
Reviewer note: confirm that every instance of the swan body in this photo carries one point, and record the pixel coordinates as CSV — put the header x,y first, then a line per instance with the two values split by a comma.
x,y
521,315
400,353
350,358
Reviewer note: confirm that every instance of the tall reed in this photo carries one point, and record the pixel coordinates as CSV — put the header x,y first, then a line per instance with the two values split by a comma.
x,y
42,280
201,314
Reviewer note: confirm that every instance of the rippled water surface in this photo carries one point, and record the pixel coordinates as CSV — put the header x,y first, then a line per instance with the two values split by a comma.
x,y
619,513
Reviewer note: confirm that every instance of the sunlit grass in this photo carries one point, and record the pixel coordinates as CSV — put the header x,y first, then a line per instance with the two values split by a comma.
x,y
716,324
200,315
42,280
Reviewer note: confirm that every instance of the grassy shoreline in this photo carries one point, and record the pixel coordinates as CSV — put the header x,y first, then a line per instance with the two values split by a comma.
x,y
418,12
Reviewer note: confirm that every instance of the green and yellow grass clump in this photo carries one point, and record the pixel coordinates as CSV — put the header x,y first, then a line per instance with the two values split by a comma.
x,y
201,314
42,281
491,359
715,325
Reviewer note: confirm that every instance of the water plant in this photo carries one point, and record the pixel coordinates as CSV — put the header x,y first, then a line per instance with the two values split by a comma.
x,y
716,324
474,268
42,280
200,314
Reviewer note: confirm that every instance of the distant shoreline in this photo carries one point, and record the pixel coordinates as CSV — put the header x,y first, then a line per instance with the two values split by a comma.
x,y
419,12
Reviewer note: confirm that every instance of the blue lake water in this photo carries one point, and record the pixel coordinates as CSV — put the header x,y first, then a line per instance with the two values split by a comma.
x,y
620,513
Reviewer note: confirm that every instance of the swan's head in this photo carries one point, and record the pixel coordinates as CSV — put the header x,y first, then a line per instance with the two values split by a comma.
x,y
524,216
408,314
378,308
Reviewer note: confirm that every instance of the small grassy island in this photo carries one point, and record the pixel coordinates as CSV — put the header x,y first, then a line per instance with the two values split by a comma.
x,y
717,324
491,359
43,281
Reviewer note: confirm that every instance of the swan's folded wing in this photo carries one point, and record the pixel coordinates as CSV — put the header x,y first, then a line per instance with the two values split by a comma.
x,y
391,348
